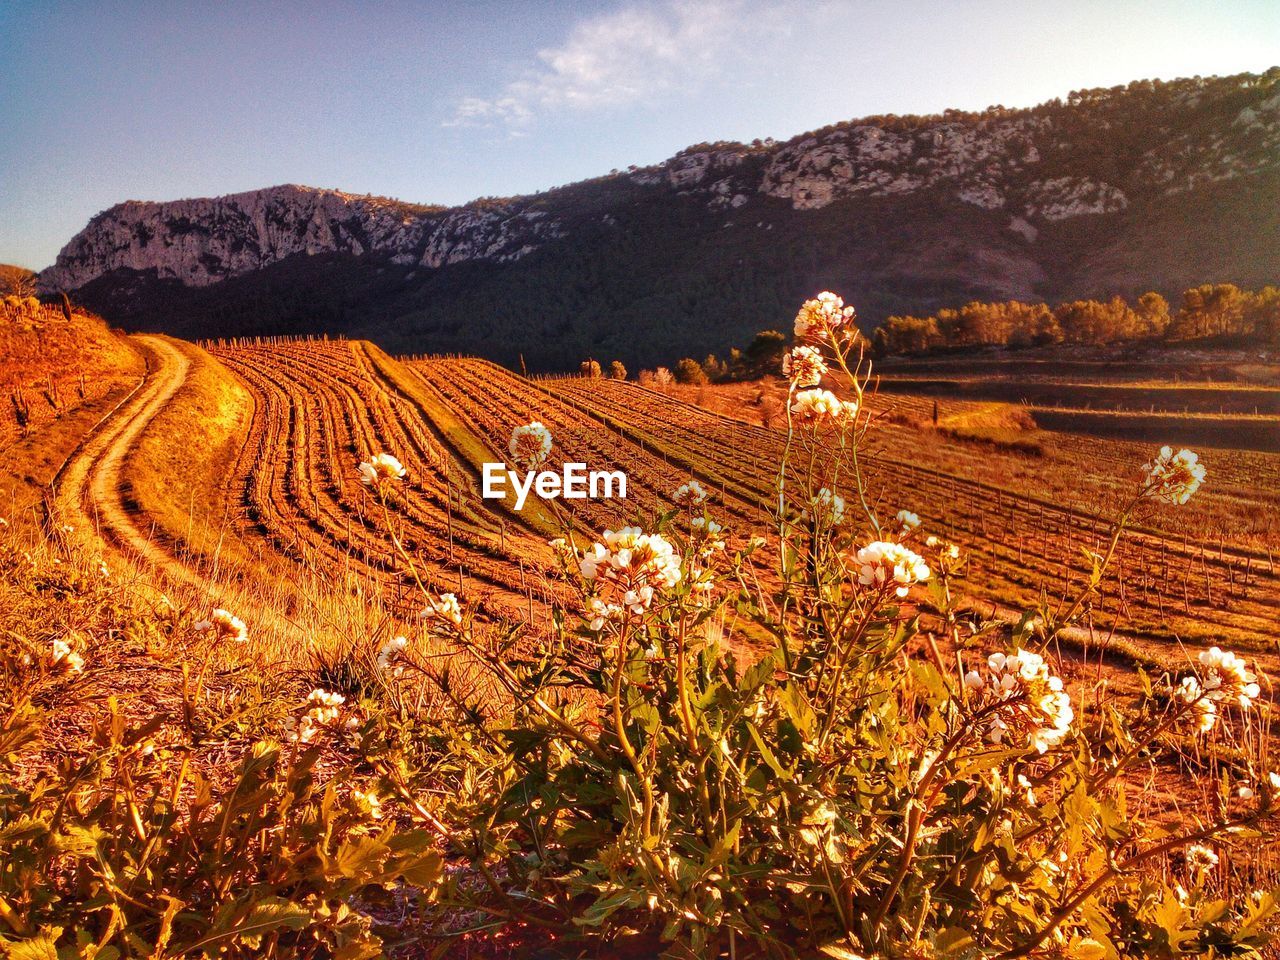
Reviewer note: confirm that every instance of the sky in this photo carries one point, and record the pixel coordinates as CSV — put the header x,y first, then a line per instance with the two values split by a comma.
x,y
102,102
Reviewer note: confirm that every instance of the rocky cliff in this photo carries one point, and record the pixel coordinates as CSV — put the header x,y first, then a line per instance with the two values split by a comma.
x,y
200,242
915,211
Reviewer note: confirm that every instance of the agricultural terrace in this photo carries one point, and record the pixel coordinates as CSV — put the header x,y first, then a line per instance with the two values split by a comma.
x,y
1170,584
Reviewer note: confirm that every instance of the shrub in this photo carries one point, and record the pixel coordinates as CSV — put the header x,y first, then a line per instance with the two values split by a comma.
x,y
689,371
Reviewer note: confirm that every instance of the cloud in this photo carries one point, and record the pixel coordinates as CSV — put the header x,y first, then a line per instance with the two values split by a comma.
x,y
630,55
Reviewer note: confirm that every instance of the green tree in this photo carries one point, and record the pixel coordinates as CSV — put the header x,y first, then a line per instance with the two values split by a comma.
x,y
1261,315
1153,310
907,335
763,354
690,371
1209,310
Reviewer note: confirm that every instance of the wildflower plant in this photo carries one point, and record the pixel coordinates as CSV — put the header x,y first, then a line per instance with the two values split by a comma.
x,y
842,762
127,842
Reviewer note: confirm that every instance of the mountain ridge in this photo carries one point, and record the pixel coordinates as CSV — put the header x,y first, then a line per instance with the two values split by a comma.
x,y
1109,189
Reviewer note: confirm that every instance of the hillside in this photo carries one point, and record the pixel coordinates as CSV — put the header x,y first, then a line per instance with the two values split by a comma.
x,y
59,375
1150,186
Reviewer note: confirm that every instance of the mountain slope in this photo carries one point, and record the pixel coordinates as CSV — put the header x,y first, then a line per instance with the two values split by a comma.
x,y
1154,185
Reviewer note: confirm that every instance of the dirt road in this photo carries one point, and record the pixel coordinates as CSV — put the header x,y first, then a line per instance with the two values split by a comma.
x,y
89,489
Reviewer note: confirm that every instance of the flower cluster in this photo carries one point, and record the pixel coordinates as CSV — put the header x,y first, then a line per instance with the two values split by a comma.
x,y
821,317
380,469
62,657
599,613
530,445
635,563
908,520
1172,477
1027,700
1225,677
880,563
1200,857
225,625
689,495
804,366
822,408
323,711
707,534
391,656
945,548
1204,710
445,607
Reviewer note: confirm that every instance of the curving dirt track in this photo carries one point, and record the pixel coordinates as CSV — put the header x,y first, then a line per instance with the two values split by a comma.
x,y
88,490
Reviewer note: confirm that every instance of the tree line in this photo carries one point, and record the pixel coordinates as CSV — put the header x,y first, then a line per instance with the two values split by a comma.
x,y
1211,311
761,357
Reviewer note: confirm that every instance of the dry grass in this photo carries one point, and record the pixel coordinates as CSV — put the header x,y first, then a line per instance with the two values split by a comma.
x,y
182,488
52,366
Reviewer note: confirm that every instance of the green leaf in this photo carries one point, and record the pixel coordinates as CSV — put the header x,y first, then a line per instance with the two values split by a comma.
x,y
758,673
361,859
40,947
796,704
423,870
601,910
271,913
766,754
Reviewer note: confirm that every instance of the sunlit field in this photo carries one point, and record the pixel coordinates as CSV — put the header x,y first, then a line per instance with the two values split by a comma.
x,y
851,672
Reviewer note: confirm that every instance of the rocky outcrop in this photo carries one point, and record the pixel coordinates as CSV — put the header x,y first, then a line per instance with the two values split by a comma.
x,y
1093,156
201,242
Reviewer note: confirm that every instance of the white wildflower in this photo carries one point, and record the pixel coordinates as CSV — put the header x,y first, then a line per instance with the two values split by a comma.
x,y
822,317
1227,677
225,624
828,507
804,366
1200,857
601,613
368,803
822,408
380,469
325,705
62,657
881,563
445,607
1172,477
634,564
391,656
1204,709
1028,789
689,495
324,709
707,534
1027,699
530,445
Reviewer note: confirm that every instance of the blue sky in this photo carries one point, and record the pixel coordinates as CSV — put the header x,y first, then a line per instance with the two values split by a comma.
x,y
441,103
